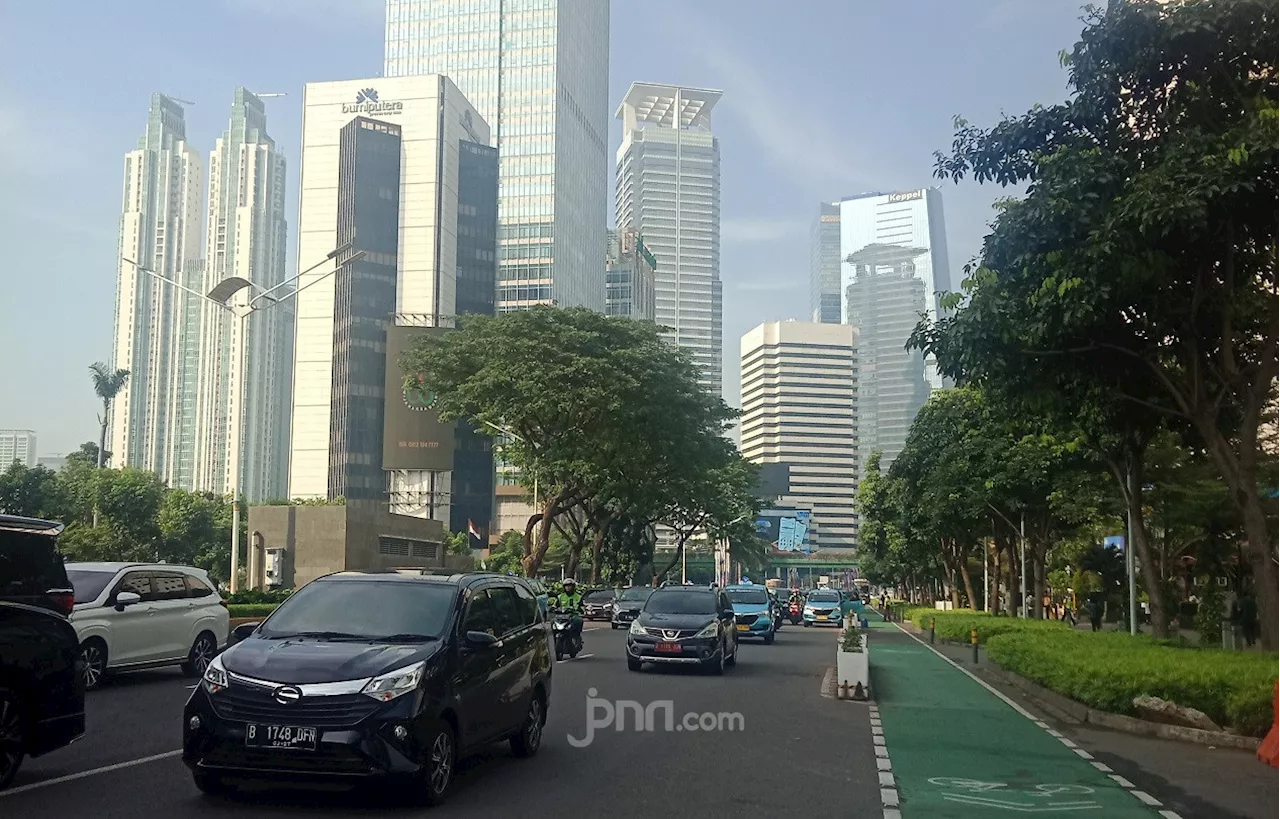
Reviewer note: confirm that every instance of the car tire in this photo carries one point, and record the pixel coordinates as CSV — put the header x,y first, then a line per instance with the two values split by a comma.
x,y
768,638
93,653
807,624
438,768
12,737
202,652
210,783
529,739
634,665
613,626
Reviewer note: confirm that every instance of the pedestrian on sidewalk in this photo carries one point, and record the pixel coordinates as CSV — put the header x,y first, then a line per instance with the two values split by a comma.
x,y
1094,609
1068,614
1249,618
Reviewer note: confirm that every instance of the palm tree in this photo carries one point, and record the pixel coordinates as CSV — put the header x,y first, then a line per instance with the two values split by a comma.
x,y
107,383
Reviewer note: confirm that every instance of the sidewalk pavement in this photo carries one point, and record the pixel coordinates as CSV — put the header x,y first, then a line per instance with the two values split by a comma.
x,y
952,746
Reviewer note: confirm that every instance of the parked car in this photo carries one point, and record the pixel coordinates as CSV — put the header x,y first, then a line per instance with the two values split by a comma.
x,y
598,604
754,614
374,676
130,616
628,605
41,682
822,607
691,625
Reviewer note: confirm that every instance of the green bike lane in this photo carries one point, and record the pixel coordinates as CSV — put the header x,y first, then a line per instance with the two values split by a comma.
x,y
956,749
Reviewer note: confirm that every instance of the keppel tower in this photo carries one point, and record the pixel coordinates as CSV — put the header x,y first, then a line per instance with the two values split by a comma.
x,y
668,191
538,72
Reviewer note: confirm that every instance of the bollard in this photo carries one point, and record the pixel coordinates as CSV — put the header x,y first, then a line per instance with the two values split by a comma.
x,y
933,623
973,638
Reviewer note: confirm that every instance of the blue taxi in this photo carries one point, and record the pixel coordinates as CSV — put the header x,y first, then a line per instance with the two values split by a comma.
x,y
752,611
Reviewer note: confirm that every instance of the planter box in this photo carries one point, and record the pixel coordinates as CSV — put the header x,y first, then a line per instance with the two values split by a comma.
x,y
853,667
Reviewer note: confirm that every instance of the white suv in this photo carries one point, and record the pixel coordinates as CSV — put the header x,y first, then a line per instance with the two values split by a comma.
x,y
130,616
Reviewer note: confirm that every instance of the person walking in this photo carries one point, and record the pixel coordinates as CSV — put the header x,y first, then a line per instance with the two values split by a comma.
x,y
1248,618
1094,609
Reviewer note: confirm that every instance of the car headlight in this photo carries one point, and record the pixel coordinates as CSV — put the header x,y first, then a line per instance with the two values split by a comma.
x,y
215,676
710,630
636,628
395,683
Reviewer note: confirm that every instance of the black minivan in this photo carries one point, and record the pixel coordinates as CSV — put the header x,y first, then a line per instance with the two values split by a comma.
x,y
41,674
374,676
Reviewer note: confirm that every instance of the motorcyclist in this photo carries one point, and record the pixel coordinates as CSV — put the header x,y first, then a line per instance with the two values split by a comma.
x,y
570,599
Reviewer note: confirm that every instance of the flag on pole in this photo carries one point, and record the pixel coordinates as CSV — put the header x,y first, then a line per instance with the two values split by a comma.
x,y
475,533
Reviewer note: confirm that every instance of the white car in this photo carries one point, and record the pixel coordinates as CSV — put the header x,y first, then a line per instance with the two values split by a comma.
x,y
130,616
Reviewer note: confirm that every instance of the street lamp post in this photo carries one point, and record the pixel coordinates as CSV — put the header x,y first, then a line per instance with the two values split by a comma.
x,y
220,297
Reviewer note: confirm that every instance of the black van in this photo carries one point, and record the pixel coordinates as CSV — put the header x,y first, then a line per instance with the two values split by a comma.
x,y
41,679
374,676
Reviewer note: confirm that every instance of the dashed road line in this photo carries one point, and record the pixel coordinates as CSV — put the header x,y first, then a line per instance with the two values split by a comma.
x,y
58,780
828,683
884,768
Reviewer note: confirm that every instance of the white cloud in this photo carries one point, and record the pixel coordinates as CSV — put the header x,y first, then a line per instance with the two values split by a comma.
x,y
749,229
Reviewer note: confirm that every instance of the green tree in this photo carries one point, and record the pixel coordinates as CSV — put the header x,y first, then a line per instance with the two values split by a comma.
x,y
1145,249
31,492
714,491
107,384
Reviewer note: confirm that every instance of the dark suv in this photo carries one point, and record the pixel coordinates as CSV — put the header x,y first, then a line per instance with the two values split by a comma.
x,y
375,676
41,680
691,625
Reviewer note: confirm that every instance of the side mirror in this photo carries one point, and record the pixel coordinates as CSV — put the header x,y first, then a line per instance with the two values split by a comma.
x,y
242,632
727,614
480,639
126,599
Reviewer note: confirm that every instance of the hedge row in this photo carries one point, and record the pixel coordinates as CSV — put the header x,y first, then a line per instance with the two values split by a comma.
x,y
251,609
955,625
1108,670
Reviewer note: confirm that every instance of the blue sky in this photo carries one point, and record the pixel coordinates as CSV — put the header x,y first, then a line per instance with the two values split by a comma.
x,y
822,99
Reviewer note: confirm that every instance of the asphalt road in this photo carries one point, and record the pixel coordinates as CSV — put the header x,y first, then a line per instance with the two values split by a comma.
x,y
793,751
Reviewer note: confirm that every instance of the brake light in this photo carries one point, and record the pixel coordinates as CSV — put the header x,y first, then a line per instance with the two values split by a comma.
x,y
63,601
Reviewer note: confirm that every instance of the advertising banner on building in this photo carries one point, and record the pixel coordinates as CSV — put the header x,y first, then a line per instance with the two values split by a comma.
x,y
786,529
413,436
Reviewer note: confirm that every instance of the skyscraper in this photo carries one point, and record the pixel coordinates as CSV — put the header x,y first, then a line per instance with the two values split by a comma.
x,y
800,398
17,446
160,230
629,277
246,238
824,265
538,72
668,190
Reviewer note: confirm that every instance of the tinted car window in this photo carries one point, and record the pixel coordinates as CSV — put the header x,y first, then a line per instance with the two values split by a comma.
x,y
197,587
140,584
528,604
507,606
89,585
29,564
635,595
824,597
482,614
364,608
602,596
169,586
681,602
749,596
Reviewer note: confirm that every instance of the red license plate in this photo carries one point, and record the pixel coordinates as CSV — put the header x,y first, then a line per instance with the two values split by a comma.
x,y
668,648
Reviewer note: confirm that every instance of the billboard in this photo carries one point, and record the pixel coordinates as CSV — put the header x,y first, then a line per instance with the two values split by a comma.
x,y
786,529
413,436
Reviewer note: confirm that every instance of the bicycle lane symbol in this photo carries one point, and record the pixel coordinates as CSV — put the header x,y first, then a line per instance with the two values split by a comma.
x,y
999,796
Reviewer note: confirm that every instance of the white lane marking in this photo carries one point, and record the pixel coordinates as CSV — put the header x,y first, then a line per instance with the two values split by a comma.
x,y
1168,814
1142,796
876,730
58,780
878,739
1121,781
828,680
883,764
1102,766
1082,753
886,779
1052,732
889,797
892,813
882,751
571,659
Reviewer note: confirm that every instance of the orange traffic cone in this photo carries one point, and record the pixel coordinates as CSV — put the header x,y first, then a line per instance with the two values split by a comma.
x,y
1268,751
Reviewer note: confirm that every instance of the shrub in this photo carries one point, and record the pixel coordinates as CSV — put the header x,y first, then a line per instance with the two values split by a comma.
x,y
259,596
1109,669
251,609
955,625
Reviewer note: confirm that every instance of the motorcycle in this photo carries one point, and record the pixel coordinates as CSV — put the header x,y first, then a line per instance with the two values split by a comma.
x,y
794,612
564,643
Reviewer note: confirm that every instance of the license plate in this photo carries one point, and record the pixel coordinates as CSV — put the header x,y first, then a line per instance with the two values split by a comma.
x,y
822,617
290,737
742,627
668,648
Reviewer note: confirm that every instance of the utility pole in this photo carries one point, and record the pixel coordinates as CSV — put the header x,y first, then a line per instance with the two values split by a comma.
x,y
1022,543
1131,568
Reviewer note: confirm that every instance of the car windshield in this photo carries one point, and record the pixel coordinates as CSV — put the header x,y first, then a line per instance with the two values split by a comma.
x,y
636,595
364,609
88,585
824,597
598,596
681,602
752,597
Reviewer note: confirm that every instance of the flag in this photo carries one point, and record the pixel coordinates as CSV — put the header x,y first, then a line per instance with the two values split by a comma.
x,y
475,532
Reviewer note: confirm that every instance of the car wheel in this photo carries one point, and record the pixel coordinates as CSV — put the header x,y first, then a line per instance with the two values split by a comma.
x,y
437,769
12,744
210,783
807,624
529,740
613,626
93,653
203,650
633,664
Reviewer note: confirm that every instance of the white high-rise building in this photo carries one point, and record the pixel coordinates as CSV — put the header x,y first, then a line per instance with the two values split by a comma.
x,y
160,229
538,72
246,239
432,120
17,445
800,407
668,191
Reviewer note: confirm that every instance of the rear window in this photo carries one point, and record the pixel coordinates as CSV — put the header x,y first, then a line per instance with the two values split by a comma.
x,y
681,602
89,585
364,609
824,597
636,594
749,596
29,564
598,596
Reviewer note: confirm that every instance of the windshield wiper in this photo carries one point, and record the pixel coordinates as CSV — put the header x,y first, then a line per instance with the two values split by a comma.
x,y
323,635
405,638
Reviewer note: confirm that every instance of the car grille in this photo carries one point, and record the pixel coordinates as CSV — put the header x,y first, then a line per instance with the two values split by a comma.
x,y
670,634
747,619
626,615
823,612
243,704
339,760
